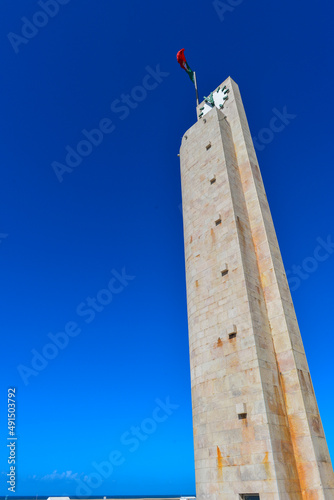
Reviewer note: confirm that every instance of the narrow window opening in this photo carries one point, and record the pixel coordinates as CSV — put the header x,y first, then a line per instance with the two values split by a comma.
x,y
213,180
241,416
241,410
208,146
250,497
224,272
232,335
218,221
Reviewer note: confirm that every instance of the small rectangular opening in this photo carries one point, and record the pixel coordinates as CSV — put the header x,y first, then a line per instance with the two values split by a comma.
x,y
208,146
218,221
224,272
241,416
250,497
232,335
213,180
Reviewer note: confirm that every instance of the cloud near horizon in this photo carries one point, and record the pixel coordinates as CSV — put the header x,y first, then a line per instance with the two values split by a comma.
x,y
55,475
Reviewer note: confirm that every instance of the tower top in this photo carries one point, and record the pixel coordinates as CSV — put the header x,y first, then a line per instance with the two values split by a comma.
x,y
218,98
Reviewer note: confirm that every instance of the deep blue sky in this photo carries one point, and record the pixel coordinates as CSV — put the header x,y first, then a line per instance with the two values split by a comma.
x,y
120,208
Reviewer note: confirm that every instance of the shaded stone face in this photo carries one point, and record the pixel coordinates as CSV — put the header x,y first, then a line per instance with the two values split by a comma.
x,y
257,429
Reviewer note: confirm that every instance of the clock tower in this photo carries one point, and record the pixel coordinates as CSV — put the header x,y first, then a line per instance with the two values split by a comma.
x,y
257,428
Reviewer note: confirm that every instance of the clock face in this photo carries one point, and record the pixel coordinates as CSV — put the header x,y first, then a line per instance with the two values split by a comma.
x,y
217,98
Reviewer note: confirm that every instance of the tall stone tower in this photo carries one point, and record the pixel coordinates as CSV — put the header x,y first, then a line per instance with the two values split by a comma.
x,y
257,428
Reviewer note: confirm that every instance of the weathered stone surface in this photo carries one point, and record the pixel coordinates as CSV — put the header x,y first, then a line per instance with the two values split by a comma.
x,y
257,427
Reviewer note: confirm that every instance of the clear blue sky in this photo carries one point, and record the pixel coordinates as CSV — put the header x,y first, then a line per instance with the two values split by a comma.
x,y
119,208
